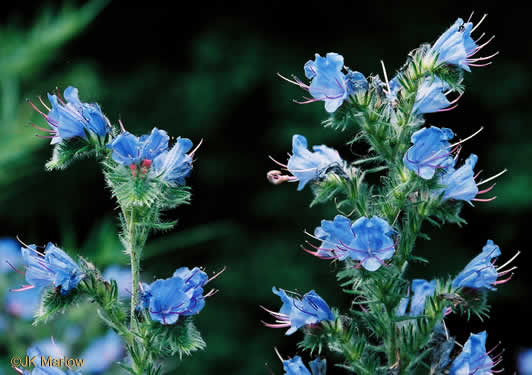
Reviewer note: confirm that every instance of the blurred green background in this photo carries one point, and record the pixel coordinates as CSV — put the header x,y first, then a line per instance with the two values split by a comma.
x,y
209,71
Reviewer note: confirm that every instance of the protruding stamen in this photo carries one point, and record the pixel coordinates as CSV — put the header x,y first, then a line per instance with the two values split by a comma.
x,y
479,22
493,177
507,271
311,235
480,37
23,288
483,58
296,82
466,139
317,255
510,261
275,314
305,101
470,16
457,99
278,163
275,325
480,65
196,148
448,109
44,105
26,246
211,293
484,200
481,46
216,275
486,190
122,126
43,129
278,354
498,282
58,94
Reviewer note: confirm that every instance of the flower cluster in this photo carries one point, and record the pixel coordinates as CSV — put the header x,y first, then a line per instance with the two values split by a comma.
x,y
146,175
179,295
367,241
329,83
372,240
150,152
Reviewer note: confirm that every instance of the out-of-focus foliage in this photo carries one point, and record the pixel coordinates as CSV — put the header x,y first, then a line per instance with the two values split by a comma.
x,y
26,55
210,73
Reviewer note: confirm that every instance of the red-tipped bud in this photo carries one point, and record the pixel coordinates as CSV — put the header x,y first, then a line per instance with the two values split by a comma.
x,y
133,169
146,163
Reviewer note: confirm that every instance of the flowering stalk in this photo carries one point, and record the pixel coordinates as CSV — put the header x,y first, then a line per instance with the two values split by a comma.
x,y
147,178
393,326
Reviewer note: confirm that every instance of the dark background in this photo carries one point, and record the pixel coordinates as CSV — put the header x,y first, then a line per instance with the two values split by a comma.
x,y
208,71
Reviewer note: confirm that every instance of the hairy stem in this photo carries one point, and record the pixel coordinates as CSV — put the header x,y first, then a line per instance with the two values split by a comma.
x,y
134,254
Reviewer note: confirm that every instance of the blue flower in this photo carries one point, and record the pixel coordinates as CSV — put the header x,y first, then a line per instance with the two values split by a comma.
x,y
328,83
524,362
298,312
308,166
102,353
366,240
295,366
194,281
429,152
431,97
482,272
460,183
131,150
421,289
356,82
473,359
23,305
182,294
168,300
73,118
54,268
122,276
456,47
9,254
174,165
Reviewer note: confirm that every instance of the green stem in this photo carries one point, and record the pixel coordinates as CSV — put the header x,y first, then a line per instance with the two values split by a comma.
x,y
136,238
134,254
